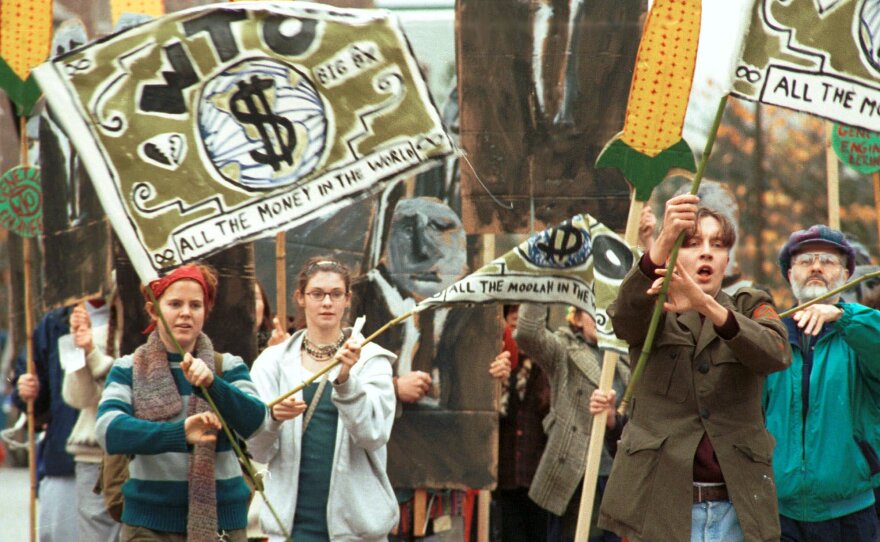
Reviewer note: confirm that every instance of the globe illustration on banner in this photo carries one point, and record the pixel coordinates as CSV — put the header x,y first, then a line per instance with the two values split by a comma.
x,y
263,124
869,32
566,246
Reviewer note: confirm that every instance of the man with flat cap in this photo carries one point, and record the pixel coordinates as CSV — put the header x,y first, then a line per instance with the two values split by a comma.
x,y
823,410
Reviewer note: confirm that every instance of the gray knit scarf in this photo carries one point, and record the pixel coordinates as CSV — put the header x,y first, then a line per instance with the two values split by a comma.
x,y
156,398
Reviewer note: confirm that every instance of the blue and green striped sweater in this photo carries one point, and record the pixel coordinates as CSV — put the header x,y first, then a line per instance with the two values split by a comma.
x,y
156,493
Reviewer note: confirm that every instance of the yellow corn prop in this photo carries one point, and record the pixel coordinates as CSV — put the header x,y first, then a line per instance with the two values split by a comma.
x,y
664,71
25,34
651,143
153,8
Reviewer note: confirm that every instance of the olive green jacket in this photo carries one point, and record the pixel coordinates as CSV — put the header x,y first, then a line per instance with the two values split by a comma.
x,y
694,382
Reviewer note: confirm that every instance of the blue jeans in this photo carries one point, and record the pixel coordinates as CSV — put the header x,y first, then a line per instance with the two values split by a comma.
x,y
715,521
859,526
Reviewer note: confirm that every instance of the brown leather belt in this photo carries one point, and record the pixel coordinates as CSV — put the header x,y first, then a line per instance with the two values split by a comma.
x,y
710,493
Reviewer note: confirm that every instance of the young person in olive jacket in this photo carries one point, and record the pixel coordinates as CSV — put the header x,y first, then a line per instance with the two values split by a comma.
x,y
694,458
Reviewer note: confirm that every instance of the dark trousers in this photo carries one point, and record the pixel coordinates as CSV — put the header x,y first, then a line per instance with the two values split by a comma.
x,y
521,519
562,528
859,526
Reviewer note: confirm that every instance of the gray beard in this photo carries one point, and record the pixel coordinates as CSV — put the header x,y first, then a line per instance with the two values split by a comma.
x,y
812,291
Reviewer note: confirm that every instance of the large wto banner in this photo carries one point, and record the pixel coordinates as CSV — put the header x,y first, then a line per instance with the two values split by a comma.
x,y
817,56
580,262
225,123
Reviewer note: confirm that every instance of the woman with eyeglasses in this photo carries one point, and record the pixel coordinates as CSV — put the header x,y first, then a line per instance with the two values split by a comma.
x,y
326,445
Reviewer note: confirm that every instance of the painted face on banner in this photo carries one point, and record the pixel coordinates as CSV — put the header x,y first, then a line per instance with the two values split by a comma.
x,y
427,248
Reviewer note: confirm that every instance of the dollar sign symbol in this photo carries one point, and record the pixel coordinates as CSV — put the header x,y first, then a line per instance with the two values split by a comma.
x,y
563,241
250,106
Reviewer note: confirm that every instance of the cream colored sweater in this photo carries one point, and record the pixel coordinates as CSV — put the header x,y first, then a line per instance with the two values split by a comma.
x,y
82,390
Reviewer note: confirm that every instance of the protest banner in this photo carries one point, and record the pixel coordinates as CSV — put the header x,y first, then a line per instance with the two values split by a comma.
x,y
819,57
218,125
580,262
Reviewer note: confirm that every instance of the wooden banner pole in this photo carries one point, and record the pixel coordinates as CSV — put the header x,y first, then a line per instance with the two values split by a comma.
x,y
420,512
29,331
484,503
31,422
281,279
832,173
606,379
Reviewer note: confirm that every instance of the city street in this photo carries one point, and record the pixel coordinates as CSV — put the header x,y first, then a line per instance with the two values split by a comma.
x,y
13,504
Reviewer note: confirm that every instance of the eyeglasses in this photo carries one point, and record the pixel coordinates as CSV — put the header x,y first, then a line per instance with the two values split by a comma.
x,y
806,259
319,295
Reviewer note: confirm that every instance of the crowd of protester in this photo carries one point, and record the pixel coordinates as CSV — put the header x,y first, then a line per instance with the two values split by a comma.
x,y
744,425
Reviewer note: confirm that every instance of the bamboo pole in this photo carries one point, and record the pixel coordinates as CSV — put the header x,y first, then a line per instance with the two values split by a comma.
x,y
673,256
606,380
29,330
832,293
244,460
832,171
336,361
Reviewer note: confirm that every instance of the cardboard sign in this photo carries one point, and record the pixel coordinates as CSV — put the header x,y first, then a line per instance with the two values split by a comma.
x,y
856,147
21,201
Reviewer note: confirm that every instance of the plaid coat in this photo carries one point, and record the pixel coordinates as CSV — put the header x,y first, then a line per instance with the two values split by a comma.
x,y
573,368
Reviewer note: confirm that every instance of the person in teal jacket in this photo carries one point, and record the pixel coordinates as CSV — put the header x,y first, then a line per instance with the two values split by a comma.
x,y
823,410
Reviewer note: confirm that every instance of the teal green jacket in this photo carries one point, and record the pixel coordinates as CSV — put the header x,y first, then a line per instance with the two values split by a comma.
x,y
825,458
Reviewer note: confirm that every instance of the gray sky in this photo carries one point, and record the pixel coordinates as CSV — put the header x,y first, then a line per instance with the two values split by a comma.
x,y
721,32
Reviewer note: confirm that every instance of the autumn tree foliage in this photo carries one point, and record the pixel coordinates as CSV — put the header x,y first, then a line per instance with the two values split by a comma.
x,y
773,160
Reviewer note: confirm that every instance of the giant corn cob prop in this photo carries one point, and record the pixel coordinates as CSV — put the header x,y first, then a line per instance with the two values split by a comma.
x,y
25,36
651,143
647,148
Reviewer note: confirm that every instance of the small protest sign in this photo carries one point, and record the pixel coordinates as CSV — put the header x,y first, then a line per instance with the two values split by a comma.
x,y
21,201
856,147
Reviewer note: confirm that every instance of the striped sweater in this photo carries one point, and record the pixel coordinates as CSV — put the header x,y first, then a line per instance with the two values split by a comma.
x,y
156,493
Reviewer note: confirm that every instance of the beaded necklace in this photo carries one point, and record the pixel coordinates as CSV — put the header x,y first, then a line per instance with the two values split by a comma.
x,y
322,352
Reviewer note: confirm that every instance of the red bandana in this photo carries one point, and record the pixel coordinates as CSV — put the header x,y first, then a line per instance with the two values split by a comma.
x,y
186,272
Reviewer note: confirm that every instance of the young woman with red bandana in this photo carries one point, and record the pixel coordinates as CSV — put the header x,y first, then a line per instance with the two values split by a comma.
x,y
185,482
